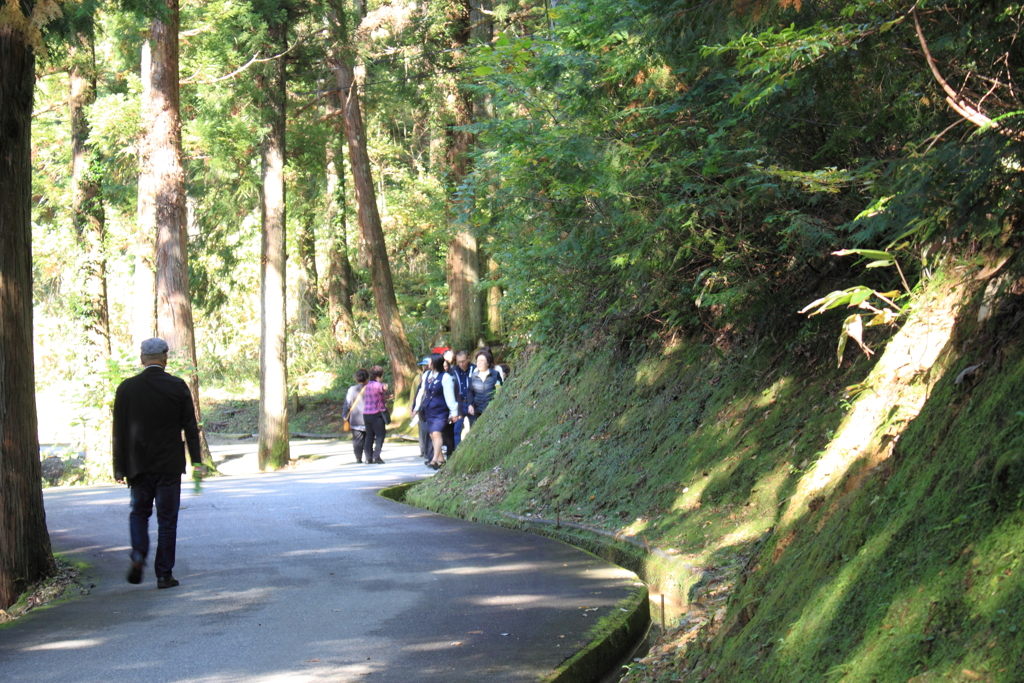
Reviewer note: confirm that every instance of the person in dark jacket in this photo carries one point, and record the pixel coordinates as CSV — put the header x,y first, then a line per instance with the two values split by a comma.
x,y
461,373
151,410
482,384
426,447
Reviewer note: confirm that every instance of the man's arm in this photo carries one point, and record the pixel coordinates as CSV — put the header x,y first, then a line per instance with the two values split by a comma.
x,y
118,445
190,426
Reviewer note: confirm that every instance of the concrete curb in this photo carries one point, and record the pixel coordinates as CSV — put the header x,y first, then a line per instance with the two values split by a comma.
x,y
618,635
397,492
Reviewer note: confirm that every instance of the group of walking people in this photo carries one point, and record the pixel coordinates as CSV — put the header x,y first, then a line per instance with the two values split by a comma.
x,y
367,414
449,395
153,409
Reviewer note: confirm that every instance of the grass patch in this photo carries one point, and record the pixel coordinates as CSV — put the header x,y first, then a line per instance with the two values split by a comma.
x,y
64,584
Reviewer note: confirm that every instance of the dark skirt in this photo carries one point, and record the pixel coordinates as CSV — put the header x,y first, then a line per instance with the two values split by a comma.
x,y
435,413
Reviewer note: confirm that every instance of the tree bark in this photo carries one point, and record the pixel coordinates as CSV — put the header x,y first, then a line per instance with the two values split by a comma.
x,y
340,283
403,364
165,173
273,420
308,281
465,314
144,277
494,295
465,309
87,206
25,554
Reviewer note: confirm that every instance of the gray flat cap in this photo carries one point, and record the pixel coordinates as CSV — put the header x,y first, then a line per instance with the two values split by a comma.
x,y
153,346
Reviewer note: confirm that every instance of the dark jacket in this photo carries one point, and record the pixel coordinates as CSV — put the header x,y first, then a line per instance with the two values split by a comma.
x,y
150,411
481,390
463,388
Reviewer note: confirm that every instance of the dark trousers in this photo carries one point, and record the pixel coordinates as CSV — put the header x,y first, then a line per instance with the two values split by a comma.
x,y
458,430
375,427
358,439
426,447
448,438
165,489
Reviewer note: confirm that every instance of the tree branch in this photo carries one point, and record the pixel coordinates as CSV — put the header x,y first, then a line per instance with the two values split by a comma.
x,y
959,104
255,60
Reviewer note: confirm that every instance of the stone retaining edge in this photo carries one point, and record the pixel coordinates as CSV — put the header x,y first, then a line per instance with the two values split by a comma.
x,y
624,629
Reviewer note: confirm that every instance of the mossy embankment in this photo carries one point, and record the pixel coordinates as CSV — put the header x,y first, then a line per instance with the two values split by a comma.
x,y
866,521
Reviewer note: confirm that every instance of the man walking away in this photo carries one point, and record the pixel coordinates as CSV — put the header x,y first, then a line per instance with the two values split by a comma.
x,y
151,410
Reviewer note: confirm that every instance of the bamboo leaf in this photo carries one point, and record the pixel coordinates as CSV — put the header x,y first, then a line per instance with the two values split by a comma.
x,y
867,253
860,296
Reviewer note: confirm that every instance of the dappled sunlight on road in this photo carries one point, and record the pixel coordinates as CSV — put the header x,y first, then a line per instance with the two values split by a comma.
x,y
66,645
524,600
485,569
322,551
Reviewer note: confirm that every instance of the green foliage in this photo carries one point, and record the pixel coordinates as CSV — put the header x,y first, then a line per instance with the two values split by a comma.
x,y
665,166
885,311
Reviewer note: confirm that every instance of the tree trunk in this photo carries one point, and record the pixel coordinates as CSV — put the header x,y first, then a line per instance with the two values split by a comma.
x,y
273,420
464,307
465,310
340,283
165,173
144,277
494,294
308,282
87,206
25,553
403,364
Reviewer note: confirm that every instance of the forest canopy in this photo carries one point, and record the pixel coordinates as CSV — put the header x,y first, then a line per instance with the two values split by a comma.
x,y
637,167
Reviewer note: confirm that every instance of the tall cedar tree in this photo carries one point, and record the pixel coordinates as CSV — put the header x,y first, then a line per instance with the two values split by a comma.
x,y
144,277
165,182
24,542
403,364
339,271
86,203
464,306
273,419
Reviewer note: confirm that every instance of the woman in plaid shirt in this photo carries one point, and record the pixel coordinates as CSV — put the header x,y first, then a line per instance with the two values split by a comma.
x,y
373,415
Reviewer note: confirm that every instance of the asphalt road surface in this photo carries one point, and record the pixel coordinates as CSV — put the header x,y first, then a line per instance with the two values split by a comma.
x,y
308,575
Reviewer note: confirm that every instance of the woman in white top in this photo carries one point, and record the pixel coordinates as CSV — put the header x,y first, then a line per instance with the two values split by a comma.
x,y
439,406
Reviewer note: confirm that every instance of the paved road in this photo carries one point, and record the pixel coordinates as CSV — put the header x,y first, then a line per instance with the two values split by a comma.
x,y
308,575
